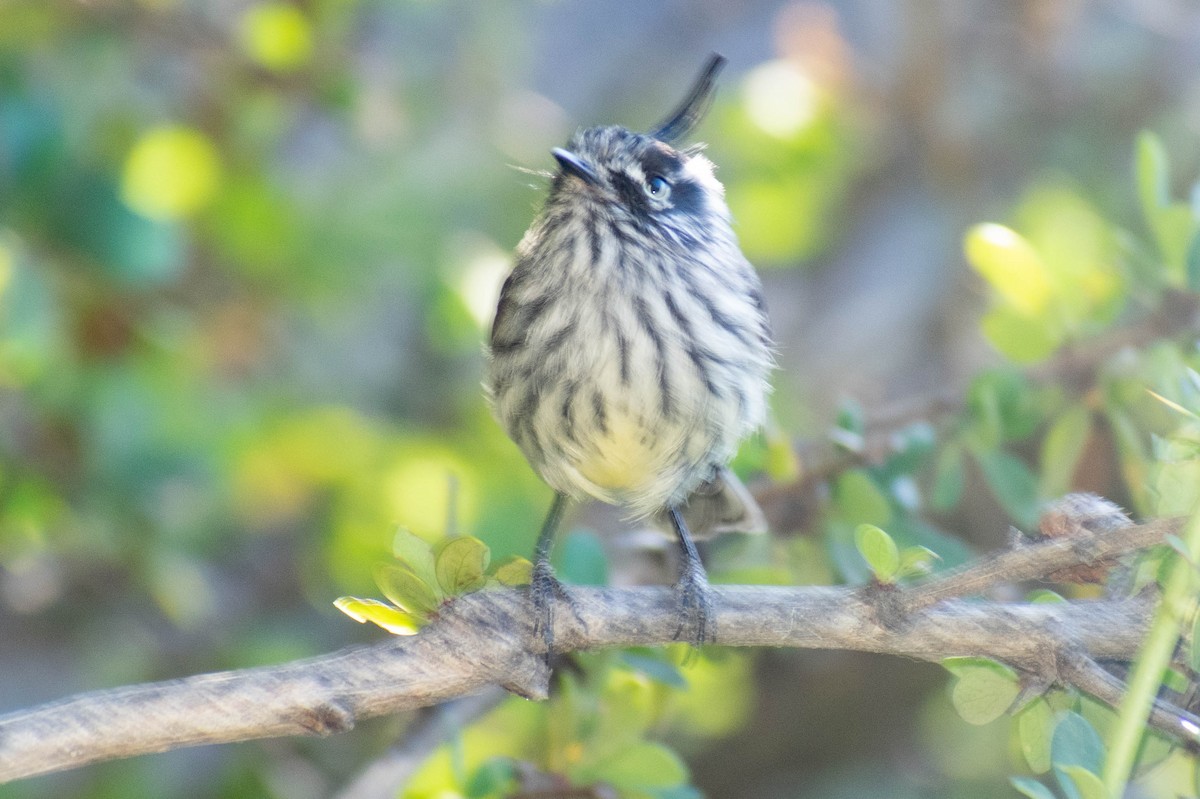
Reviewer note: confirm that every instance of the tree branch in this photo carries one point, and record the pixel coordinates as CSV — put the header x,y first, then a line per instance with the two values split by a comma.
x,y
1033,561
486,638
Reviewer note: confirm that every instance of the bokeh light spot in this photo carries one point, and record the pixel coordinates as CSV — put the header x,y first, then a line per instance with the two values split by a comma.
x,y
277,36
171,172
780,98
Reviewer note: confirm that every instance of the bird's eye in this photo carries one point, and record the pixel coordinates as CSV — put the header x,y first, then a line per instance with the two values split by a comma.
x,y
658,186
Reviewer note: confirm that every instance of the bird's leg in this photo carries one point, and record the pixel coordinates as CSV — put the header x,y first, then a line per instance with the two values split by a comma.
x,y
695,604
544,588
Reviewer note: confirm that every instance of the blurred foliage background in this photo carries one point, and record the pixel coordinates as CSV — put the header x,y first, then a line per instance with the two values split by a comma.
x,y
248,252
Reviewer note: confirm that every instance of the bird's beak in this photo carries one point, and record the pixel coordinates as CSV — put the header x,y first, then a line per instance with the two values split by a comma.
x,y
574,165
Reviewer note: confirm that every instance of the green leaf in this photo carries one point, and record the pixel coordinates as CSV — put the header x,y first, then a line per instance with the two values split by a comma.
x,y
1031,788
642,766
984,689
1061,449
879,551
1076,743
392,619
515,570
654,665
1173,224
1013,485
461,564
1176,485
860,500
1087,785
406,590
948,478
1035,726
415,553
1043,596
917,561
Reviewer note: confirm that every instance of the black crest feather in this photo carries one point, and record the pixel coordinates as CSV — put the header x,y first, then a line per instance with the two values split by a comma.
x,y
694,106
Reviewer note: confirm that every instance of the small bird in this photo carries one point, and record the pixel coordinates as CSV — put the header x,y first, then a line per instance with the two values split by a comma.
x,y
630,352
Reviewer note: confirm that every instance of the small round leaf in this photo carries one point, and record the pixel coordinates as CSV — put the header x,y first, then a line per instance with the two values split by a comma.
x,y
460,565
984,690
879,551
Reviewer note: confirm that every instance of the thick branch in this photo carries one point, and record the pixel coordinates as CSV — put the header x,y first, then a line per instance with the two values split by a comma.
x,y
486,638
483,639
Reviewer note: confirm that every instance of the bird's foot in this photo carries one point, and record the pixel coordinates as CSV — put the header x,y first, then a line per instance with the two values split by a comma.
x,y
545,591
695,609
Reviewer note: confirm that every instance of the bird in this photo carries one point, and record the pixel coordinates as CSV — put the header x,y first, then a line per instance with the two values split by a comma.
x,y
631,352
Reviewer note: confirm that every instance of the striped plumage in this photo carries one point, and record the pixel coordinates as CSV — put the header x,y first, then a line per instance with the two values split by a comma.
x,y
630,351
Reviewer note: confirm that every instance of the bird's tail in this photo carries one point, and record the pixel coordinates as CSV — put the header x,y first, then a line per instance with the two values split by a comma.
x,y
721,505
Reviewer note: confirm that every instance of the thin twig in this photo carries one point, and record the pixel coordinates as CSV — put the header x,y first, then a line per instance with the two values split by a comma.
x,y
385,776
1090,677
1034,561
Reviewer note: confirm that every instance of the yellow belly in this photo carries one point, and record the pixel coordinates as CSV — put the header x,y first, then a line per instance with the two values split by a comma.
x,y
630,460
625,459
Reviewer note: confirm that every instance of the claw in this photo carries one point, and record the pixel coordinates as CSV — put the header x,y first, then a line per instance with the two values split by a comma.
x,y
545,591
544,588
695,609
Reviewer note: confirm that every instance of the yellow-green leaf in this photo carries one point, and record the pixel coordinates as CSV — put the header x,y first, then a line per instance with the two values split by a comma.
x,y
415,553
1087,784
1035,725
461,564
916,561
1011,266
515,571
405,589
879,551
984,689
392,619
